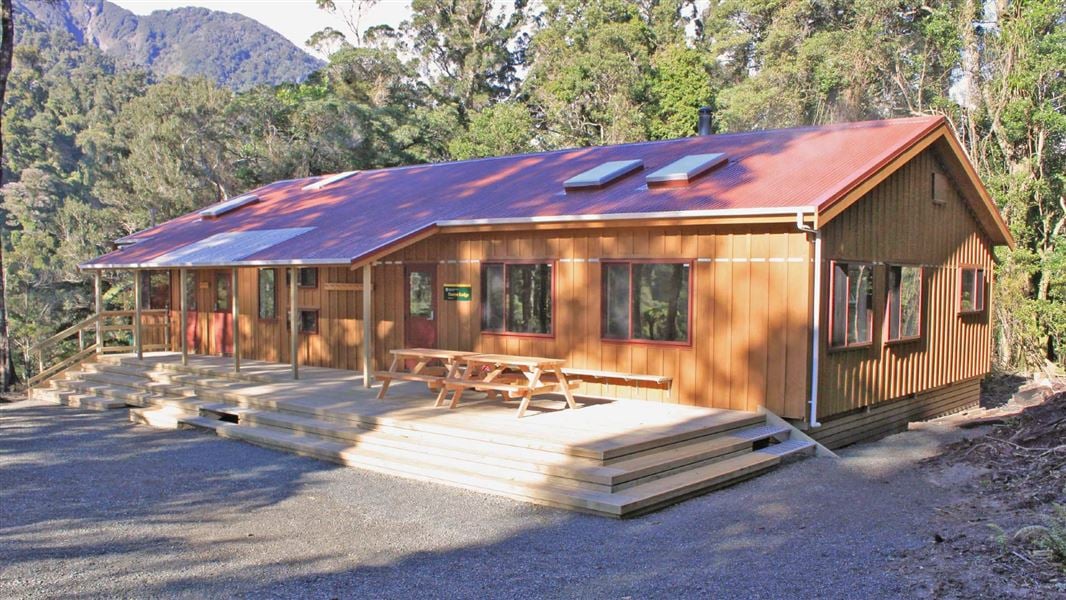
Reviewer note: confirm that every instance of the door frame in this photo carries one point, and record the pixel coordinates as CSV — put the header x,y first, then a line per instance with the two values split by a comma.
x,y
430,267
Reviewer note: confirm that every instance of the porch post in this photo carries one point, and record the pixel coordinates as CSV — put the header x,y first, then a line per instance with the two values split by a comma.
x,y
184,304
236,323
368,325
294,326
98,298
138,341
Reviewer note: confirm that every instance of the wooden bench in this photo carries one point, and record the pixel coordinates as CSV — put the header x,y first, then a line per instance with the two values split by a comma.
x,y
421,372
615,376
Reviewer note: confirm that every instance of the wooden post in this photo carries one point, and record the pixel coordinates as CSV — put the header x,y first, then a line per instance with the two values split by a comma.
x,y
236,323
183,303
368,325
294,326
99,300
137,338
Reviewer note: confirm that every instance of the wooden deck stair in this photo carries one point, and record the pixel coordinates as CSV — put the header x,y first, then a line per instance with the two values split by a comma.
x,y
637,470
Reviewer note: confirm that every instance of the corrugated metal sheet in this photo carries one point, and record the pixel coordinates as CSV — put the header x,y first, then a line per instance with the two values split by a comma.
x,y
805,167
226,247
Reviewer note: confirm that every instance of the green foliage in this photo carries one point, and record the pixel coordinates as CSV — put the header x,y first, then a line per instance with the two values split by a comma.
x,y
505,128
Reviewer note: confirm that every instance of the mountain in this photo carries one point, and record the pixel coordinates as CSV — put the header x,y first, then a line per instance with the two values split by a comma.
x,y
229,48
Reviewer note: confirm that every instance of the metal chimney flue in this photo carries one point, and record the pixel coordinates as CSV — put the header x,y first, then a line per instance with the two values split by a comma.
x,y
706,121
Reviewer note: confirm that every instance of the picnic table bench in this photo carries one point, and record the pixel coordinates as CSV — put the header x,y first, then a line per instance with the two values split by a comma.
x,y
422,357
485,372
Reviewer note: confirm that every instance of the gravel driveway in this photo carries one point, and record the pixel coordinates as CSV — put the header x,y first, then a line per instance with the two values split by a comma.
x,y
92,506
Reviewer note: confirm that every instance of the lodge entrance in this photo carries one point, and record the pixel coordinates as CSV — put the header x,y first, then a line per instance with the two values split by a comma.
x,y
420,305
220,315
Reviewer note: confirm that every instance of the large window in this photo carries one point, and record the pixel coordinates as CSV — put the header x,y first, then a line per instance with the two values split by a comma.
x,y
851,304
903,311
971,289
646,301
155,289
268,293
516,298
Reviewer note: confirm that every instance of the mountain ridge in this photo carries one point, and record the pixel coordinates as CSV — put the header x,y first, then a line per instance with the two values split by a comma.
x,y
229,48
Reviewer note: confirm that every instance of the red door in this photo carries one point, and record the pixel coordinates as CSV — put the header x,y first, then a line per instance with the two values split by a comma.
x,y
420,310
221,318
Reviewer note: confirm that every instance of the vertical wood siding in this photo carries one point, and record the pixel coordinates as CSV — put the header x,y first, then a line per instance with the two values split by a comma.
x,y
749,331
897,223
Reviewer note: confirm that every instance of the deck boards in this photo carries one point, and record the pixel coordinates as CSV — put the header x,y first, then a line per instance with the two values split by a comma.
x,y
598,428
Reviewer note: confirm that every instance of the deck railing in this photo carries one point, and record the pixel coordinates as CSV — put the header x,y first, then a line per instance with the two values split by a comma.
x,y
114,334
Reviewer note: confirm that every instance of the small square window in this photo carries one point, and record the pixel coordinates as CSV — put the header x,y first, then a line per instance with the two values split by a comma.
x,y
308,277
308,321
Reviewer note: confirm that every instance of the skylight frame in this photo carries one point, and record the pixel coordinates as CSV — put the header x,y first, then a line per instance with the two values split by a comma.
x,y
227,206
686,169
603,174
321,183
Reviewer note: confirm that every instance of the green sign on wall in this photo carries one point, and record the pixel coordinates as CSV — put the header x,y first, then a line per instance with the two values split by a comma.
x,y
457,292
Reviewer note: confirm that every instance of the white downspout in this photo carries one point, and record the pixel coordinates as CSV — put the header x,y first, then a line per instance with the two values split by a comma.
x,y
816,316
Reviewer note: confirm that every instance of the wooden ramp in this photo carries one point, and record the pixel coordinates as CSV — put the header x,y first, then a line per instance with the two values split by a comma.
x,y
617,458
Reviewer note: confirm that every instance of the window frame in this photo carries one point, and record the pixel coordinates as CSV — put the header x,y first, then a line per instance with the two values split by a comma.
x,y
300,277
886,326
300,318
146,288
228,277
506,293
629,300
830,306
259,294
981,286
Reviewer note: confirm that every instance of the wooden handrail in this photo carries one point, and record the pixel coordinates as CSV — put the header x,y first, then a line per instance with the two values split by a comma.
x,y
62,335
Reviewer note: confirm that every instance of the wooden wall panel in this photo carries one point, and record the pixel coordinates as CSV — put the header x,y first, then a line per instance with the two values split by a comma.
x,y
749,333
897,223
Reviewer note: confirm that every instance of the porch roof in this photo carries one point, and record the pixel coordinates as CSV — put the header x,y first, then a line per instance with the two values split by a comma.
x,y
355,218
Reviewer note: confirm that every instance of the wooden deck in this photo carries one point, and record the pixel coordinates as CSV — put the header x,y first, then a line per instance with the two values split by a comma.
x,y
611,457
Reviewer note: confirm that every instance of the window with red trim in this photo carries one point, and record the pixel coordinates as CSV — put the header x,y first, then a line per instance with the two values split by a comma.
x,y
516,298
851,304
971,289
646,301
903,310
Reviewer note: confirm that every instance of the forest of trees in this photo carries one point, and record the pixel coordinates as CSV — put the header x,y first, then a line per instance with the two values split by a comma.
x,y
92,152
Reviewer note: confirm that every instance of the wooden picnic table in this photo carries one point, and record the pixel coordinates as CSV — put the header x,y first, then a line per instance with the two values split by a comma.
x,y
422,357
485,372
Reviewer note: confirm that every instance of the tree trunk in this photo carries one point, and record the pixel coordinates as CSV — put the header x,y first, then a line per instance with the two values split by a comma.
x,y
7,48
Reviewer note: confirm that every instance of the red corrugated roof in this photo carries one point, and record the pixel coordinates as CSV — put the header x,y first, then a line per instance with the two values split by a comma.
x,y
780,169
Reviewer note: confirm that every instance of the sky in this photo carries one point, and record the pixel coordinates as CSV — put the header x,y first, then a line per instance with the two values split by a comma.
x,y
294,19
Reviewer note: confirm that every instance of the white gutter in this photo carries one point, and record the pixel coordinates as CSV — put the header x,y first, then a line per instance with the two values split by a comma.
x,y
816,316
670,214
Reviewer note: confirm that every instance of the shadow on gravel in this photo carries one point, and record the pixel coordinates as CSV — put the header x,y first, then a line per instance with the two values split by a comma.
x,y
817,528
65,467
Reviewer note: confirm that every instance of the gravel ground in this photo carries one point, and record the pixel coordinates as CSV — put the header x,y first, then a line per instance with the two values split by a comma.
x,y
93,506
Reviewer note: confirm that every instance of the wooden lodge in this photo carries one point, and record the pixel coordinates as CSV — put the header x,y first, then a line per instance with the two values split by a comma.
x,y
837,277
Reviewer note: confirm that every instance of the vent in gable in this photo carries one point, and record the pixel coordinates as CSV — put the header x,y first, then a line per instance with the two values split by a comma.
x,y
602,175
217,210
321,183
686,168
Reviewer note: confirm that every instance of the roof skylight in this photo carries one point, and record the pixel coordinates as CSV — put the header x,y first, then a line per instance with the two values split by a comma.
x,y
686,168
321,183
602,175
217,210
